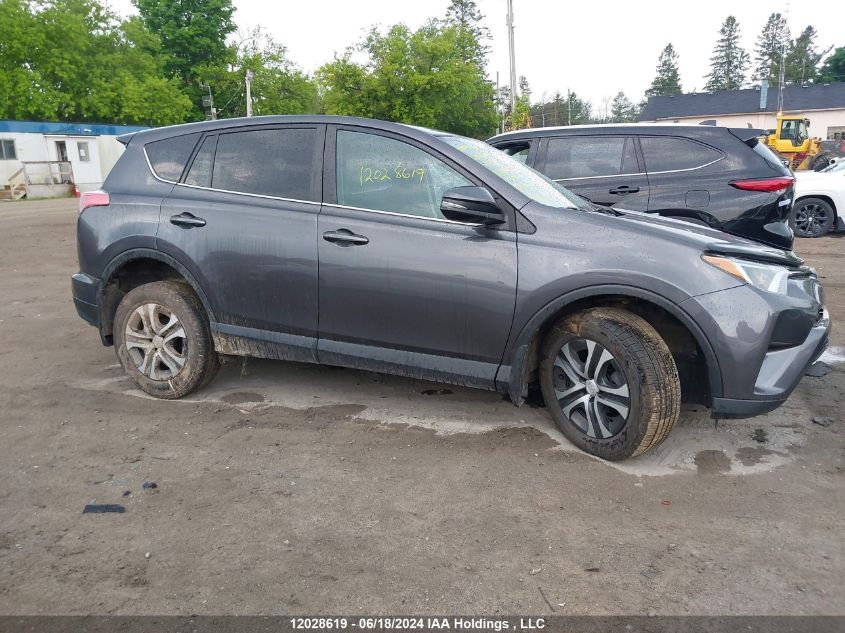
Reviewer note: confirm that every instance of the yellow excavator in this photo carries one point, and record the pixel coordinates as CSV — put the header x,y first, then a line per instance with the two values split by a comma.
x,y
791,141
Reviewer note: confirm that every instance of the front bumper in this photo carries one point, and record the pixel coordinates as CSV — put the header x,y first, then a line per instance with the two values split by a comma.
x,y
763,343
85,297
779,374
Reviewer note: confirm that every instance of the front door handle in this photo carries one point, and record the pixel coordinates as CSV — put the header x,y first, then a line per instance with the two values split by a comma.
x,y
345,237
188,220
624,189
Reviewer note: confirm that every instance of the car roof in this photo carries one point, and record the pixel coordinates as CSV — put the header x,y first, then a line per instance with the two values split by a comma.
x,y
156,134
697,131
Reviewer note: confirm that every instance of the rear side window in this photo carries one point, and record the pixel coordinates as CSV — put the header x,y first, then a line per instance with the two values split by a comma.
x,y
590,157
168,157
200,172
769,156
274,162
669,153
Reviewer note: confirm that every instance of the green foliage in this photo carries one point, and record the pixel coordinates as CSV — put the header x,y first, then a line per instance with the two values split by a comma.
x,y
192,32
668,79
623,110
422,77
729,61
803,57
769,49
73,60
833,69
278,87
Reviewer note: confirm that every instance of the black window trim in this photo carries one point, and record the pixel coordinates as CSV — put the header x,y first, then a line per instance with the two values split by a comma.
x,y
330,177
320,143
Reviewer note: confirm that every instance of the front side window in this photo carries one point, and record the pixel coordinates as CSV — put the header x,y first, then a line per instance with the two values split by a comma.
x,y
82,148
7,150
383,174
590,157
169,156
669,153
271,162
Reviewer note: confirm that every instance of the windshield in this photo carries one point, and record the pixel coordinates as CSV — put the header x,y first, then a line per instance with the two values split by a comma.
x,y
522,178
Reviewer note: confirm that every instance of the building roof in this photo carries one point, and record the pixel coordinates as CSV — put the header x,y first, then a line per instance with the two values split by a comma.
x,y
795,99
68,129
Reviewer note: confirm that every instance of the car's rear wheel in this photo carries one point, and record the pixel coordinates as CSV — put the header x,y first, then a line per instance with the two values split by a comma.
x,y
610,382
811,217
162,339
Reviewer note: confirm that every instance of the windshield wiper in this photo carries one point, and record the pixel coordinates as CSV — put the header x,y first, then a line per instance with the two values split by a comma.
x,y
599,208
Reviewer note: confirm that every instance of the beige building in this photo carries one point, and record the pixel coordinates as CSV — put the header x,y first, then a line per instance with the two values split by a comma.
x,y
823,104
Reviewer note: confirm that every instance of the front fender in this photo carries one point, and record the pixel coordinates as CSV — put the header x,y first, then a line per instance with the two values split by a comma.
x,y
512,377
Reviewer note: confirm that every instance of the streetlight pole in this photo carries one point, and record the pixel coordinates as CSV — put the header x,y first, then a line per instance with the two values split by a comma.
x,y
512,60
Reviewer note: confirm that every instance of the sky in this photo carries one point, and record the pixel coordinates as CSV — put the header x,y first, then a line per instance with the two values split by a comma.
x,y
593,48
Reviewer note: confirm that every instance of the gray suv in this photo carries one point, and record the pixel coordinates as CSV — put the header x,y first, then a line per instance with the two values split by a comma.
x,y
403,250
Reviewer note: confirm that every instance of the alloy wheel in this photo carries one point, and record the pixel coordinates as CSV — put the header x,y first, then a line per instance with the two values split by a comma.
x,y
591,388
810,219
156,341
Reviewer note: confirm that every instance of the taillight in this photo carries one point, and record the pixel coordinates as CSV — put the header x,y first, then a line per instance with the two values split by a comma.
x,y
93,199
776,185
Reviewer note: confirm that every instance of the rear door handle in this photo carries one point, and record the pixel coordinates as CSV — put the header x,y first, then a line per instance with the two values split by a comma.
x,y
621,191
345,237
188,220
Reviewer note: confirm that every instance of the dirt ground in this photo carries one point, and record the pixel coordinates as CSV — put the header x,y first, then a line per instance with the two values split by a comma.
x,y
286,488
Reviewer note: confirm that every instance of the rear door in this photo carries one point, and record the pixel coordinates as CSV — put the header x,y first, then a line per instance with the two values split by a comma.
x,y
603,168
243,220
402,288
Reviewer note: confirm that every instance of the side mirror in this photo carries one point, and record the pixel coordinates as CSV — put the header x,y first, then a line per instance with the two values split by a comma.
x,y
471,204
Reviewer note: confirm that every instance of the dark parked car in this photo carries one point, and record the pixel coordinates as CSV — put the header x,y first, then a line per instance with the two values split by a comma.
x,y
720,177
386,247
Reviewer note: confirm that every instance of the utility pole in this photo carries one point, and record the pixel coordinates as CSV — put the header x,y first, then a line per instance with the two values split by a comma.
x,y
208,102
512,60
249,76
783,61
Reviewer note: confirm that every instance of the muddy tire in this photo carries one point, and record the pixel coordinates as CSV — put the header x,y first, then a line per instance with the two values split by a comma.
x,y
162,339
610,382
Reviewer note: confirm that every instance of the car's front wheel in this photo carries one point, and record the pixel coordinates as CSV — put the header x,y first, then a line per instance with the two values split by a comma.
x,y
162,339
811,217
610,382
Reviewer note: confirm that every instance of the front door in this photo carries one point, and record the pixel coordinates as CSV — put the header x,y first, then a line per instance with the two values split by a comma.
x,y
604,169
402,289
244,219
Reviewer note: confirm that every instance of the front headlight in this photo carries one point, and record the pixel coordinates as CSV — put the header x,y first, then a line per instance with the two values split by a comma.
x,y
768,277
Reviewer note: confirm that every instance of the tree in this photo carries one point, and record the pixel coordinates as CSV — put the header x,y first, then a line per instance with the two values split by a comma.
x,y
465,15
833,69
421,77
668,79
729,61
278,86
192,32
73,60
576,111
524,87
803,57
622,109
769,49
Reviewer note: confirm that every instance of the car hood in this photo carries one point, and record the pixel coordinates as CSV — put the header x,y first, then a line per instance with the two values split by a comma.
x,y
709,240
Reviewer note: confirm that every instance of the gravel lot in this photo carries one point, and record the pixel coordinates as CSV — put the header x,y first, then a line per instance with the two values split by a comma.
x,y
288,488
